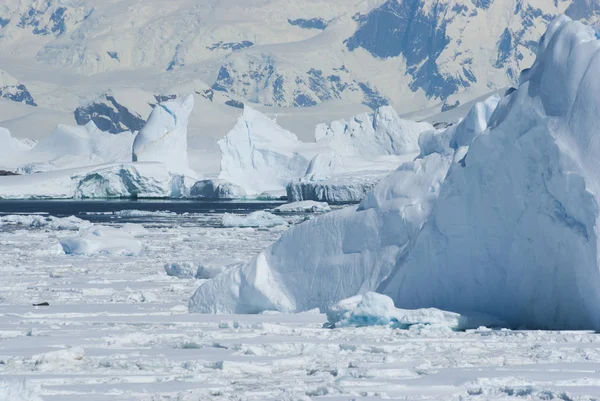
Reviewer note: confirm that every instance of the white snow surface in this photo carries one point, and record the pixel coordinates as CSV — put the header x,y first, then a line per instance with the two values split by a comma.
x,y
506,226
164,136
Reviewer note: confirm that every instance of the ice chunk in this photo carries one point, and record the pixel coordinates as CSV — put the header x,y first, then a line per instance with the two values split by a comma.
x,y
183,270
303,207
341,189
217,189
102,240
259,219
164,136
373,309
204,270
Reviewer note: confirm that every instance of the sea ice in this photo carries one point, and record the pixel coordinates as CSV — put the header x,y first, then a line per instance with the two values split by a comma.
x,y
103,240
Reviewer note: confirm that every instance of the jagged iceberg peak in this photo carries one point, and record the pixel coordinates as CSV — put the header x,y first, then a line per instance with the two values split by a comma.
x,y
515,229
381,132
259,155
164,136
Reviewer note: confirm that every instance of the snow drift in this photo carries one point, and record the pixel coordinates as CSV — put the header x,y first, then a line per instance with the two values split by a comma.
x,y
164,136
506,226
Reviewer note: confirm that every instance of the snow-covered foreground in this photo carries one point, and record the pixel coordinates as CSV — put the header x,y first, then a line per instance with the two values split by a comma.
x,y
117,328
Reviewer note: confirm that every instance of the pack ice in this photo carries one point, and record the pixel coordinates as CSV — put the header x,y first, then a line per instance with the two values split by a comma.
x,y
260,156
506,226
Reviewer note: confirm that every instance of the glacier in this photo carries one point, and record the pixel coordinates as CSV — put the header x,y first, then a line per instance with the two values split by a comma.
x,y
504,225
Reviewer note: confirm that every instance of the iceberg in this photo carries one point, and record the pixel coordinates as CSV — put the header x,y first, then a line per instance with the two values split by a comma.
x,y
217,189
514,232
333,256
370,135
339,189
260,156
103,240
503,224
127,180
164,136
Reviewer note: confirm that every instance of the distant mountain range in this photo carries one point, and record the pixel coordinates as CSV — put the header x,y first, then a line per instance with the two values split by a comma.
x,y
74,55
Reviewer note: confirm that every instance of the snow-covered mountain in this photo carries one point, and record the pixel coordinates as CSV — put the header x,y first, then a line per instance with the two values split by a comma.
x,y
110,62
292,53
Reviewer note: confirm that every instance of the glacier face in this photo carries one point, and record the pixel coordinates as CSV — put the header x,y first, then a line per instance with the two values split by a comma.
x,y
503,224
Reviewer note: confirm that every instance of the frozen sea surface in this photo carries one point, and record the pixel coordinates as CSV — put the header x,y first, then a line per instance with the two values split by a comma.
x,y
117,328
